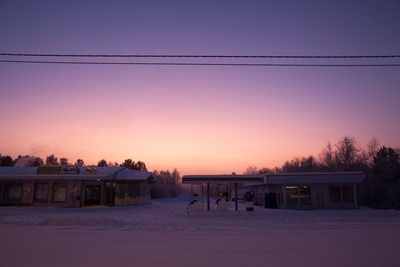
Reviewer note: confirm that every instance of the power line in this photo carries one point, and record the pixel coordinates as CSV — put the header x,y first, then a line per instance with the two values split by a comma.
x,y
195,56
197,64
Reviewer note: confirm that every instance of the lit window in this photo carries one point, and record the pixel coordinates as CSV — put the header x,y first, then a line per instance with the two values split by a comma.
x,y
59,192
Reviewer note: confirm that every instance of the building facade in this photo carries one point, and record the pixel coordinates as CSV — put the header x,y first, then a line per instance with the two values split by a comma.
x,y
72,186
307,190
319,190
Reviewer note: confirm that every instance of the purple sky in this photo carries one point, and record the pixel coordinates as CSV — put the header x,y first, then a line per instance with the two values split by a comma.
x,y
197,119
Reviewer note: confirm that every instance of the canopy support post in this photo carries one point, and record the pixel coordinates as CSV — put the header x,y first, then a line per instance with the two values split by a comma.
x,y
208,196
236,196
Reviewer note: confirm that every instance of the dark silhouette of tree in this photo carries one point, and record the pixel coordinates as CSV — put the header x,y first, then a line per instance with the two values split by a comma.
x,y
141,166
130,164
347,153
308,164
265,170
251,170
102,163
6,161
38,162
386,178
372,150
63,161
51,160
79,162
386,166
327,158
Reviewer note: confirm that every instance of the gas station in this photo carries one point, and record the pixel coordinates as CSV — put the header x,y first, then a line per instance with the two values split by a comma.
x,y
224,185
304,190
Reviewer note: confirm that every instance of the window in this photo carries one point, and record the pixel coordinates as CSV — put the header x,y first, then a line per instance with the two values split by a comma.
x,y
129,190
348,193
12,191
305,195
41,192
334,194
292,195
59,192
341,194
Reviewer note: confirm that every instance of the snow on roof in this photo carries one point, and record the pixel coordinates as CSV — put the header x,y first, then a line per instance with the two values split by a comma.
x,y
281,178
87,172
18,170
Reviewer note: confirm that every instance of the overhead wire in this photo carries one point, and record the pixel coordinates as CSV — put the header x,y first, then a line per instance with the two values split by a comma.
x,y
197,64
199,56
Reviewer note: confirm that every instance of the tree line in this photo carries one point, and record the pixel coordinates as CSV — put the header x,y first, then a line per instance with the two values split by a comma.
x,y
52,160
380,164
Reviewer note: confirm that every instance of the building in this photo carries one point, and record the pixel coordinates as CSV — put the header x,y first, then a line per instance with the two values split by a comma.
x,y
306,190
72,186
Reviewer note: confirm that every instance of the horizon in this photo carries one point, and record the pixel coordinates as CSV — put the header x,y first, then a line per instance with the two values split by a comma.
x,y
197,119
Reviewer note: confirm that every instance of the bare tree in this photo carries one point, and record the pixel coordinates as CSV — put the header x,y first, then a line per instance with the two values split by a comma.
x,y
327,157
251,170
347,153
372,150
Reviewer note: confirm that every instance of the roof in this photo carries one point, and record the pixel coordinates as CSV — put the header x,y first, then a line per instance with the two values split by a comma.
x,y
315,178
223,178
280,178
77,173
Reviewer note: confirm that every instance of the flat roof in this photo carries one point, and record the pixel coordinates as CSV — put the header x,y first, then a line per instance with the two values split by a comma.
x,y
280,178
223,178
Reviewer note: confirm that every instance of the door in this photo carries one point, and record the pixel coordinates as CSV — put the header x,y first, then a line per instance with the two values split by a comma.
x,y
109,194
320,198
270,201
92,195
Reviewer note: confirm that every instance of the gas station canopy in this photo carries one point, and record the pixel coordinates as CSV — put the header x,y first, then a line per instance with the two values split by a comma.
x,y
190,179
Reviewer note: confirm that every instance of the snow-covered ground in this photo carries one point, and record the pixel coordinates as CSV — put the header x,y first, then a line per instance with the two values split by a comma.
x,y
162,234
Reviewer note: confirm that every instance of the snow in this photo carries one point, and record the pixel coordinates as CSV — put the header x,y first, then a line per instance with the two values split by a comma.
x,y
162,234
117,173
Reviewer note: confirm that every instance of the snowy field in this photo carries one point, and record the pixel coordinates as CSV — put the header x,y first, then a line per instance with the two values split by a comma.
x,y
162,234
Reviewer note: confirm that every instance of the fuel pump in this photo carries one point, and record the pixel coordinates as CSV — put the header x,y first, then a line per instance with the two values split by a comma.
x,y
222,197
197,198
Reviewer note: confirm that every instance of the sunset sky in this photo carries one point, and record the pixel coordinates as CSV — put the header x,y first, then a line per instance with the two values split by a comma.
x,y
198,119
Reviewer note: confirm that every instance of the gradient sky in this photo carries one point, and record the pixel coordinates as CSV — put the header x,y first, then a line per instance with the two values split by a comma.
x,y
198,119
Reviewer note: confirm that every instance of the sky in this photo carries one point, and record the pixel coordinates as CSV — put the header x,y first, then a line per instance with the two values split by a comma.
x,y
198,119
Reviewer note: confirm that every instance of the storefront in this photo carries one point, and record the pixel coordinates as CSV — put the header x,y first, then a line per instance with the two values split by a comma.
x,y
310,190
317,190
72,186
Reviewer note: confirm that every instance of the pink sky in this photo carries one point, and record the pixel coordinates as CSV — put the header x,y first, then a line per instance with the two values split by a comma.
x,y
196,119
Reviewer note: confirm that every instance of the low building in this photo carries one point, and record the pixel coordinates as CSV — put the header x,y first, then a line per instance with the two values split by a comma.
x,y
307,190
313,190
73,186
